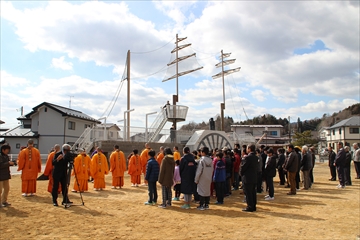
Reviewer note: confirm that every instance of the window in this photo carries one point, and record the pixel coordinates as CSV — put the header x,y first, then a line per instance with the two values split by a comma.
x,y
273,133
333,131
111,134
45,109
18,145
71,125
339,130
354,130
87,125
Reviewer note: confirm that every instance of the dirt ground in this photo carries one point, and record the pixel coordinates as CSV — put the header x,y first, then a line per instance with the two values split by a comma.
x,y
324,212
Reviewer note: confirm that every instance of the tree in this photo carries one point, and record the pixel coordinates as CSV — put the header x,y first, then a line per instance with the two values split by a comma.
x,y
304,138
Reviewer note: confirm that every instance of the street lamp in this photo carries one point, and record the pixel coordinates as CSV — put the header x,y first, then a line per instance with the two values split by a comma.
x,y
146,125
105,134
266,131
125,132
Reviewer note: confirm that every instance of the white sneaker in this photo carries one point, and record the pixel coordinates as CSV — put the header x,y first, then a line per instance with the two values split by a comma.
x,y
269,198
266,196
340,186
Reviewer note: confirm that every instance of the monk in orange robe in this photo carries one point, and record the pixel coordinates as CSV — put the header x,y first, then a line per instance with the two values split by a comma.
x,y
98,169
160,155
49,168
176,153
81,172
117,167
144,157
30,166
135,168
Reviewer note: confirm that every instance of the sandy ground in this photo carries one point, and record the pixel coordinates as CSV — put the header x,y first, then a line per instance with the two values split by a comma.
x,y
324,212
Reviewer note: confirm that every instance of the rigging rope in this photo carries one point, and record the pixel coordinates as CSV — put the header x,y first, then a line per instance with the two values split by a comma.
x,y
154,49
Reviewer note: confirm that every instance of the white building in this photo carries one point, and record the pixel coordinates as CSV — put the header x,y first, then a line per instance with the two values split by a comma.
x,y
269,135
346,131
48,124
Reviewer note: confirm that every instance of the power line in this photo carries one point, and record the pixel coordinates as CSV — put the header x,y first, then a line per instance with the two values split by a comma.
x,y
154,49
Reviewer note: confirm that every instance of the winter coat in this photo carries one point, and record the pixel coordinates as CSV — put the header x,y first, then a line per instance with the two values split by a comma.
x,y
203,176
281,161
270,167
347,160
291,164
306,162
340,158
166,175
219,172
187,173
249,168
4,168
152,170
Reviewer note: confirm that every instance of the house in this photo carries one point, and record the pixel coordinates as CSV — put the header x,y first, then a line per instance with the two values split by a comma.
x,y
268,135
110,129
322,136
346,131
48,124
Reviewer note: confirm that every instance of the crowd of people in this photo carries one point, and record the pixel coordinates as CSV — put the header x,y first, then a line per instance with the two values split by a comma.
x,y
193,176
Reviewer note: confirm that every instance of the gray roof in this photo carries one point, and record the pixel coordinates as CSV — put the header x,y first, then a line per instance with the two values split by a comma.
x,y
19,131
63,110
259,126
350,122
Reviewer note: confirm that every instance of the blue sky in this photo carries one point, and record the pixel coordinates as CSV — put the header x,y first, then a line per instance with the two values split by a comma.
x,y
297,59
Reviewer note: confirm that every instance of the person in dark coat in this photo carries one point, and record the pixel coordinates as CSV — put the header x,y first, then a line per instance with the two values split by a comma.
x,y
270,172
339,163
347,166
332,167
291,166
5,176
60,174
187,174
305,166
166,177
248,171
312,151
279,165
219,178
152,175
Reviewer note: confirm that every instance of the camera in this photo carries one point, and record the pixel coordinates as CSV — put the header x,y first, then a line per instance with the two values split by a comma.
x,y
71,156
15,163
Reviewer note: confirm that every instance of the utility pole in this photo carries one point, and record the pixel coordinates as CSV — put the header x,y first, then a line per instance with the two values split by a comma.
x,y
128,95
177,74
222,74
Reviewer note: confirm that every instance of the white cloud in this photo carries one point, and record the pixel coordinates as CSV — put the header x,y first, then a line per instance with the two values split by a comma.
x,y
258,95
262,38
8,80
60,63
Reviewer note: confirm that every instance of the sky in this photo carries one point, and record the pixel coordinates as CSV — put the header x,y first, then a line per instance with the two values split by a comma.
x,y
297,58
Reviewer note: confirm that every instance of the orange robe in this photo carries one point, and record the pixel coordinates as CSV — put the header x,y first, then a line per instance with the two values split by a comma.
x,y
48,172
98,169
159,158
144,157
30,165
135,169
81,171
177,155
117,168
